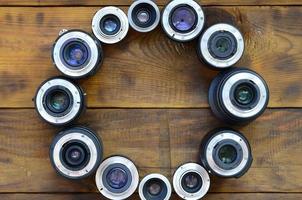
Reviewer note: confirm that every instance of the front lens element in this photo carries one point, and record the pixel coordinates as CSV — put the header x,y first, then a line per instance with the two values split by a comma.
x,y
110,24
191,182
117,178
227,154
223,45
143,16
244,94
75,54
75,155
154,187
58,101
183,18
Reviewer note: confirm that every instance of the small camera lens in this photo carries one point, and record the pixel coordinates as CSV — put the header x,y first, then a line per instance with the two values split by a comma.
x,y
182,20
75,153
226,153
238,95
143,15
76,54
117,178
191,181
59,101
221,46
110,25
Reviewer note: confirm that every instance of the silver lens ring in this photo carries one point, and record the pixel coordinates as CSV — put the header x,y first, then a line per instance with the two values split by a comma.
x,y
76,107
93,151
102,186
139,28
121,33
226,95
210,149
183,170
205,49
94,50
155,176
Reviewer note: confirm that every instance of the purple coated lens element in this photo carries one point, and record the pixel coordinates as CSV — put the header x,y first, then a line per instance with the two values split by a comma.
x,y
183,18
117,178
75,54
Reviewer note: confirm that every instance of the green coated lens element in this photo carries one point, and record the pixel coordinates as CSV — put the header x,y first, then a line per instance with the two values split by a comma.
x,y
59,100
223,45
227,154
244,94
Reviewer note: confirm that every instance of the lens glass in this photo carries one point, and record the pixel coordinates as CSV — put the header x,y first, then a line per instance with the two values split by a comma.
x,y
183,18
75,155
117,178
223,45
227,154
154,187
110,24
75,54
191,182
244,94
58,101
143,16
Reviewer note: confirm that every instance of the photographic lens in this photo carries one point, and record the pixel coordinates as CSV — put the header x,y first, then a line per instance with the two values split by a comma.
x,y
75,54
58,101
117,178
227,154
244,94
191,182
183,18
75,154
110,24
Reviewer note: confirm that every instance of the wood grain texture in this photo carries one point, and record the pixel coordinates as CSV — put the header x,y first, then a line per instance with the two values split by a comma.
x,y
92,196
157,140
128,2
149,70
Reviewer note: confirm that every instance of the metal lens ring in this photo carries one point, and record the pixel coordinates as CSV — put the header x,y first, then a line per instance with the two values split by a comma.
x,y
149,13
123,174
91,152
84,57
76,102
227,94
233,36
116,22
191,10
236,144
191,168
155,187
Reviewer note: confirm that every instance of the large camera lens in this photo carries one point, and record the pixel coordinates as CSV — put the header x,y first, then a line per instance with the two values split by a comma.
x,y
76,54
155,187
76,152
143,15
182,20
226,153
238,95
117,178
110,25
59,101
191,181
221,46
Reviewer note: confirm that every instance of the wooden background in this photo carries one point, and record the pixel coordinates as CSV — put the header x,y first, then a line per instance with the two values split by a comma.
x,y
149,99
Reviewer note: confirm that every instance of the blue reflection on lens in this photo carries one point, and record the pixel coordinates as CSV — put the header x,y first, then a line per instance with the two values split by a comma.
x,y
110,25
75,54
117,178
183,18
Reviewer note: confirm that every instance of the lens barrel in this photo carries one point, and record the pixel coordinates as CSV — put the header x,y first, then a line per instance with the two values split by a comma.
x,y
75,153
182,20
117,178
226,153
59,101
238,95
110,25
221,46
76,54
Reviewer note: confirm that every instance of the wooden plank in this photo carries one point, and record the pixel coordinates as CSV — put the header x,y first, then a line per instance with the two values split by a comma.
x,y
149,70
146,136
225,196
276,143
128,2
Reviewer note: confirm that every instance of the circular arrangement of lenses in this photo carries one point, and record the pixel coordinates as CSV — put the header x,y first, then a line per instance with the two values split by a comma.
x,y
226,153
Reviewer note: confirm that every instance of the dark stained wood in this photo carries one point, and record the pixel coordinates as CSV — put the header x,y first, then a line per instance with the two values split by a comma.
x,y
157,140
92,196
128,2
149,70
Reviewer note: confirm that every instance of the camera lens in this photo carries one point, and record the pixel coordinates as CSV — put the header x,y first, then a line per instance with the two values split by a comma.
x,y
182,20
59,101
117,178
191,181
155,187
76,54
238,95
221,46
110,25
226,153
76,152
143,15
